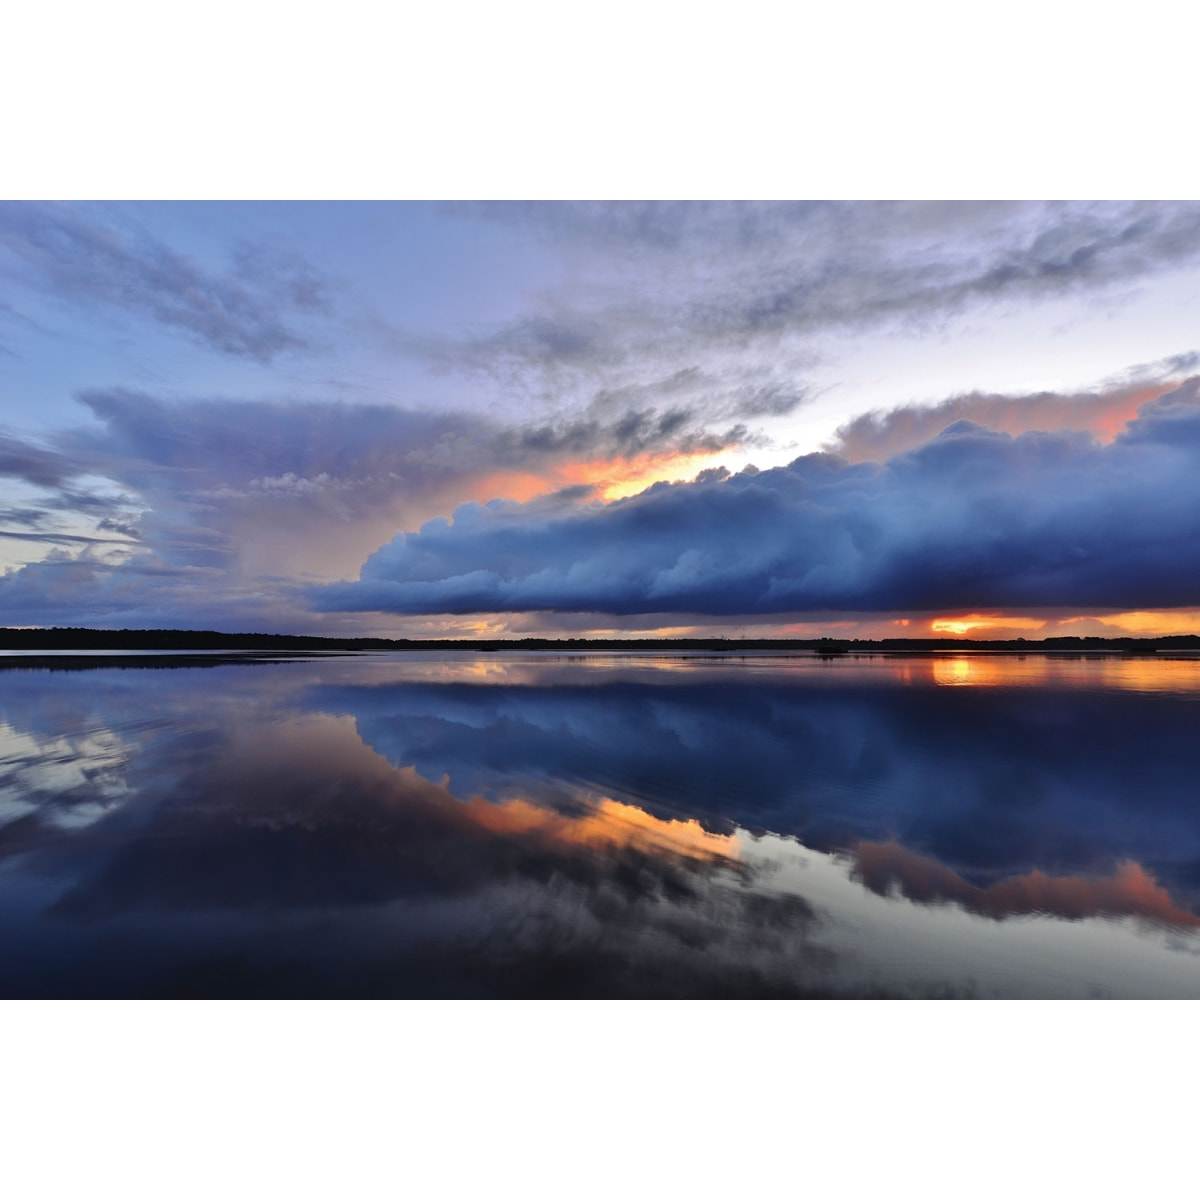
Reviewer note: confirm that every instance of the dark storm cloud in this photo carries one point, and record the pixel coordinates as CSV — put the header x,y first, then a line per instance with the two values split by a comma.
x,y
280,488
246,311
972,518
269,468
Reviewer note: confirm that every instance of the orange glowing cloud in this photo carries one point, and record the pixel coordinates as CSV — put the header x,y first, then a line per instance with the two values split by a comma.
x,y
1143,623
1131,892
879,435
613,478
1158,623
1154,624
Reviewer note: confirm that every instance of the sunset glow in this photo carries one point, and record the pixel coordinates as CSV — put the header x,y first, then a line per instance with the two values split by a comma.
x,y
977,623
612,479
616,479
1154,624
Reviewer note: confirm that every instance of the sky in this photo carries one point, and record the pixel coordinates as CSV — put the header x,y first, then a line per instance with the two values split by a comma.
x,y
562,418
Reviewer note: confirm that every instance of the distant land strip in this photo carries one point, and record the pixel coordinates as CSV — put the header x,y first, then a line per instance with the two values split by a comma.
x,y
183,640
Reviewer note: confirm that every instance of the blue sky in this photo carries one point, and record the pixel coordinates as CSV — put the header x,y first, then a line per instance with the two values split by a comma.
x,y
432,418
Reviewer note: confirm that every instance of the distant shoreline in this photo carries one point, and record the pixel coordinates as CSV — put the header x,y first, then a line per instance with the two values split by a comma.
x,y
185,641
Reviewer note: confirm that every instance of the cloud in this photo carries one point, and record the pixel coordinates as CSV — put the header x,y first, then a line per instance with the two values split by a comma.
x,y
251,489
33,464
881,434
731,311
500,836
246,312
1013,240
317,485
696,278
833,755
107,583
513,898
1131,891
20,535
971,520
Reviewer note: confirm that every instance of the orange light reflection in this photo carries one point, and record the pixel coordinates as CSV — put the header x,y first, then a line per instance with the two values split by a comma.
x,y
610,823
1150,674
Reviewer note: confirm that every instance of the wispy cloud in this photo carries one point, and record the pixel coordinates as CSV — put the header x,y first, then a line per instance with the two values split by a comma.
x,y
247,311
742,313
690,278
22,460
24,536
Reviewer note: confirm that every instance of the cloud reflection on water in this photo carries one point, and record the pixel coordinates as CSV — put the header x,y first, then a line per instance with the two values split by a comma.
x,y
328,871
1131,891
358,827
1069,775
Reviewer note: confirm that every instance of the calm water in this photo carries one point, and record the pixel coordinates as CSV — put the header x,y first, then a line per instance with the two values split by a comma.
x,y
534,825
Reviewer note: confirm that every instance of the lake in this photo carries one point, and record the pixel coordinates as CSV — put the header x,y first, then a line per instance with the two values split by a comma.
x,y
543,825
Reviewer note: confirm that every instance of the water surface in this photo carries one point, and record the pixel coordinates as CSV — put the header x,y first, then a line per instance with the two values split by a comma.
x,y
542,825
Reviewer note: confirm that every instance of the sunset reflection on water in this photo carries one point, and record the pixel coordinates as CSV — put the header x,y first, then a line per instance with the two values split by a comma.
x,y
530,825
1135,673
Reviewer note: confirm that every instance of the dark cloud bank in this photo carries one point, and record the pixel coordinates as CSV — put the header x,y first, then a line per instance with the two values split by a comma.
x,y
971,518
212,490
